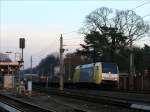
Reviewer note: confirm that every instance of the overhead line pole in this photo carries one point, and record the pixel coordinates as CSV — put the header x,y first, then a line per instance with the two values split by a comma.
x,y
131,65
31,68
51,72
61,63
69,78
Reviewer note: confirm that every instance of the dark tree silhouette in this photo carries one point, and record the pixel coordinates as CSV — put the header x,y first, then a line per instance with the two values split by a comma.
x,y
104,44
44,67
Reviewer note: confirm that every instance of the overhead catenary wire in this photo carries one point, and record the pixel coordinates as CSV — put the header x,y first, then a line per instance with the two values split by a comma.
x,y
71,45
36,57
44,48
75,38
41,52
48,48
132,9
146,15
145,3
69,32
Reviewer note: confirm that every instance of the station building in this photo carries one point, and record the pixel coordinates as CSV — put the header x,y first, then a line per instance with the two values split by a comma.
x,y
8,71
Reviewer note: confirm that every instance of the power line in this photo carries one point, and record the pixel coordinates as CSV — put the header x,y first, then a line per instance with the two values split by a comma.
x,y
146,15
73,38
69,32
137,8
45,49
72,45
112,18
42,52
77,30
141,5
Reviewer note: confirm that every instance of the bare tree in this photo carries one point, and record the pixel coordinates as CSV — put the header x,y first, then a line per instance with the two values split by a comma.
x,y
127,22
131,24
96,19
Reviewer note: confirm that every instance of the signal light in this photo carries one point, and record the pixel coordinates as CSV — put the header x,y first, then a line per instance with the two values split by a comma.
x,y
22,43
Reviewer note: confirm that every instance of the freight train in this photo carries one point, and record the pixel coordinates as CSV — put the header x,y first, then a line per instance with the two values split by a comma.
x,y
88,76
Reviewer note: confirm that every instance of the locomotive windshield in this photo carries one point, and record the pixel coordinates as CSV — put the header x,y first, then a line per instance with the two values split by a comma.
x,y
109,67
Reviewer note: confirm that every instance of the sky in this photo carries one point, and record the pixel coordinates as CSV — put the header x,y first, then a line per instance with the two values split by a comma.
x,y
41,22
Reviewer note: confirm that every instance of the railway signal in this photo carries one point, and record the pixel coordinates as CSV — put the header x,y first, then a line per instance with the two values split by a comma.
x,y
22,45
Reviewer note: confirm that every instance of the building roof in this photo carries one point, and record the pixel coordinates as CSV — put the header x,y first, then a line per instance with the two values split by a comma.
x,y
4,57
9,63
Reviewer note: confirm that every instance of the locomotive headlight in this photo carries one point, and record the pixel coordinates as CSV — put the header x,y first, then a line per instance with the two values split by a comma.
x,y
117,77
103,76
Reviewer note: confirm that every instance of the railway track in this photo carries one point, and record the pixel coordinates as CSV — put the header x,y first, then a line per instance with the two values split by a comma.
x,y
110,100
127,91
21,106
101,88
126,96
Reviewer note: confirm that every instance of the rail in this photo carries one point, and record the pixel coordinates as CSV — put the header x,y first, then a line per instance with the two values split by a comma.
x,y
22,106
110,100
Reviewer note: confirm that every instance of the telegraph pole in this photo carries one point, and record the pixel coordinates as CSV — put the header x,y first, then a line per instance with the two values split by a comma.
x,y
61,63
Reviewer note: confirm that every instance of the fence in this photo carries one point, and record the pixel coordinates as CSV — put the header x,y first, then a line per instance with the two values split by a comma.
x,y
141,82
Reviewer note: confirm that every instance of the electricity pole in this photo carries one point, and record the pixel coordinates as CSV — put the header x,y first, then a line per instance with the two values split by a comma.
x,y
61,63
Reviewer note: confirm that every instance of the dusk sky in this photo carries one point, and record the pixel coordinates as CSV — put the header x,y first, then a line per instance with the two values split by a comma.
x,y
41,22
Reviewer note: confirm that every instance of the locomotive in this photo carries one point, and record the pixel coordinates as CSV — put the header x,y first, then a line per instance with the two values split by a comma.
x,y
97,74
